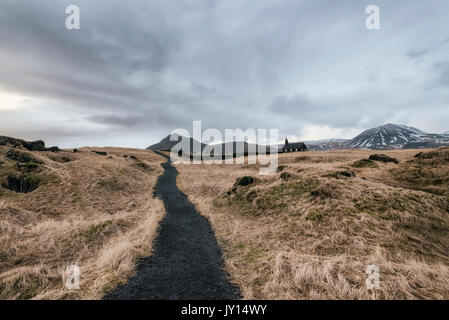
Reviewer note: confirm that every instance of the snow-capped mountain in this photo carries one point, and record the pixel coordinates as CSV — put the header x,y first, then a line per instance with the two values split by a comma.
x,y
389,136
394,136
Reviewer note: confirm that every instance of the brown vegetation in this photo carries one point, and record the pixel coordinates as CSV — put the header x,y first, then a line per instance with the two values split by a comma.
x,y
74,208
312,233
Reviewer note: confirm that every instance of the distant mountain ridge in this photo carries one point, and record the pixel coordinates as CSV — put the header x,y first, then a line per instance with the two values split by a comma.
x,y
167,144
325,144
386,137
395,136
224,148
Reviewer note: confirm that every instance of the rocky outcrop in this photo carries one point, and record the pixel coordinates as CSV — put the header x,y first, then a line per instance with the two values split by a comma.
x,y
19,156
382,158
38,145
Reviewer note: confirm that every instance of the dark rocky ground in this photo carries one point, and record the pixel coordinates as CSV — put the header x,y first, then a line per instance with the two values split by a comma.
x,y
187,261
31,146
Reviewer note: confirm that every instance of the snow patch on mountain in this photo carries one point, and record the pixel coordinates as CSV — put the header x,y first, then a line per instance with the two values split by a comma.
x,y
393,136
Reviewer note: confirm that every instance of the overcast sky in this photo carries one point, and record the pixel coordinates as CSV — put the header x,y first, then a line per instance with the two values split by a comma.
x,y
138,69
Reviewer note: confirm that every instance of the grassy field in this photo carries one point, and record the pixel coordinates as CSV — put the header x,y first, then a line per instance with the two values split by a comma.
x,y
311,230
89,209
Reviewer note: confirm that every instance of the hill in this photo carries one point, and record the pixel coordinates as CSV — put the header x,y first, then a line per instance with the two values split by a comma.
x,y
394,136
31,146
239,146
167,143
310,231
89,208
386,137
325,144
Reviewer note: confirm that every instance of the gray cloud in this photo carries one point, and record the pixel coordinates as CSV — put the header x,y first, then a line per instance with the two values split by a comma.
x,y
442,70
434,47
136,70
116,121
416,53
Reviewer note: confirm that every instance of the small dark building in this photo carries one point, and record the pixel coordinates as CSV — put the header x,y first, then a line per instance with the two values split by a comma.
x,y
293,147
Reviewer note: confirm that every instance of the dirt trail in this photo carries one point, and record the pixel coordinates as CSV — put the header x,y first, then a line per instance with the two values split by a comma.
x,y
187,262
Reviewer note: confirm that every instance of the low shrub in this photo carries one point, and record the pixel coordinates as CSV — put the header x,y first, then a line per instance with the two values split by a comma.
x,y
382,158
365,163
21,183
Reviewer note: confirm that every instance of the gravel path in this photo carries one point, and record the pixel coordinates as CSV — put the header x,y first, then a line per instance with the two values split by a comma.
x,y
187,262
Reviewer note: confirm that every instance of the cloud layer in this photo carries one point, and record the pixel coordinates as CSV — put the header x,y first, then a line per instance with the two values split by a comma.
x,y
138,69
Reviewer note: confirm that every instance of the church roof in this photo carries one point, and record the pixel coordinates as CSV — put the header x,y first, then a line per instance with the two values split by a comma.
x,y
294,145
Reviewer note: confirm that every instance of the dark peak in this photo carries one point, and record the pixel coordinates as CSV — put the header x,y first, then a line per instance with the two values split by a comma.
x,y
174,135
171,140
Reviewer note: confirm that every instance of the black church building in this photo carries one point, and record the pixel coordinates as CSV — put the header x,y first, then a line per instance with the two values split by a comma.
x,y
293,147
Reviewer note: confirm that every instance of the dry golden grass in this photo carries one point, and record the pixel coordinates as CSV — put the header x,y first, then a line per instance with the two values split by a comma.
x,y
311,233
94,211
